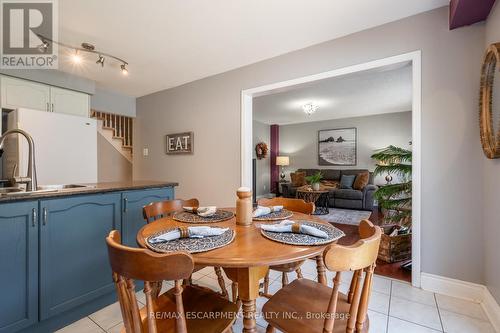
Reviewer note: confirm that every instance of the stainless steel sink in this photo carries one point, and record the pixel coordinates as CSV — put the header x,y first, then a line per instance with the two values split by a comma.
x,y
62,187
9,190
16,191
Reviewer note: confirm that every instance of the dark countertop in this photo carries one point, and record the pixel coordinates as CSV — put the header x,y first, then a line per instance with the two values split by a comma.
x,y
93,189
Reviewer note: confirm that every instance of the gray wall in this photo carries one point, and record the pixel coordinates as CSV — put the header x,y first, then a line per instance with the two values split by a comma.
x,y
491,179
113,102
262,133
300,141
452,235
111,165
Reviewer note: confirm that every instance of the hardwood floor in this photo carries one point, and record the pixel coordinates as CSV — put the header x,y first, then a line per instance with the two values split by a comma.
x,y
393,270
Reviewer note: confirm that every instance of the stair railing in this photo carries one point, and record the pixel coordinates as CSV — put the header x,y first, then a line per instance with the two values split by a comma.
x,y
122,126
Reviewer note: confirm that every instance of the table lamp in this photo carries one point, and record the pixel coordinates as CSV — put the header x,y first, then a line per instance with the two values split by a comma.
x,y
282,161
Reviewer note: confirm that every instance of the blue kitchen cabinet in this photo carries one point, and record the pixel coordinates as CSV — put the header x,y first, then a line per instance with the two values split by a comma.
x,y
132,203
19,265
74,265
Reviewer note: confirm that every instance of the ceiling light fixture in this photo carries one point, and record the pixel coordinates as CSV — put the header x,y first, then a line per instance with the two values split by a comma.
x,y
309,108
85,47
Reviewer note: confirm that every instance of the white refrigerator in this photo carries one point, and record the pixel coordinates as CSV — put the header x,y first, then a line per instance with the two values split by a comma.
x,y
65,147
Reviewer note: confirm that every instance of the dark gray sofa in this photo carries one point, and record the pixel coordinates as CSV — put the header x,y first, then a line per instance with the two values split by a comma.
x,y
340,198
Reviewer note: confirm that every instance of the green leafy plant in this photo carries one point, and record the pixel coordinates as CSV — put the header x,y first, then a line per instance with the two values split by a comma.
x,y
316,178
395,198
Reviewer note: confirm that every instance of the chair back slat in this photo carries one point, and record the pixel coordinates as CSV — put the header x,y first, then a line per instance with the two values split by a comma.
x,y
161,209
294,205
129,264
180,324
150,307
364,298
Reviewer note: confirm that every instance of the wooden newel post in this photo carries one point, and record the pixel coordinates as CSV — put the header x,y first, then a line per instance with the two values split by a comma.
x,y
244,206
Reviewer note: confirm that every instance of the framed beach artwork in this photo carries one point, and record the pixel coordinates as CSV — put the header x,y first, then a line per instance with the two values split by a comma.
x,y
337,147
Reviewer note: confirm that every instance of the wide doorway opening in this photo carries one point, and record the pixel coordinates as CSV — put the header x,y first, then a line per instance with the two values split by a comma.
x,y
349,140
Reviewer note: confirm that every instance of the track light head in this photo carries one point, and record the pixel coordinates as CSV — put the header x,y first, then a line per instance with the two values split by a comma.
x,y
76,57
100,61
123,67
43,47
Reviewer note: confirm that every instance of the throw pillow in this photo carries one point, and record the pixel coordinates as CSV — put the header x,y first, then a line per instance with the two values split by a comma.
x,y
346,181
332,184
298,178
361,181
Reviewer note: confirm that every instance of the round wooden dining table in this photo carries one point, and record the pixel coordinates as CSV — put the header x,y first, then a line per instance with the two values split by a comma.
x,y
247,258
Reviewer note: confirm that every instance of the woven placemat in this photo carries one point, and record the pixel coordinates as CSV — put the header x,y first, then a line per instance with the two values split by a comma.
x,y
191,245
300,239
275,216
219,216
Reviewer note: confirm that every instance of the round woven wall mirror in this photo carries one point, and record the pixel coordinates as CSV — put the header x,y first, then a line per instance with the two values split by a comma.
x,y
489,102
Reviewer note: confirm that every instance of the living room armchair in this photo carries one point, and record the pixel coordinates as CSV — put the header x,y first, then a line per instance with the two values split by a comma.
x,y
368,198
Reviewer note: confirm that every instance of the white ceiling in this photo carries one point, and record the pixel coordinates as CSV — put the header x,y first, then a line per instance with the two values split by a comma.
x,y
172,42
378,91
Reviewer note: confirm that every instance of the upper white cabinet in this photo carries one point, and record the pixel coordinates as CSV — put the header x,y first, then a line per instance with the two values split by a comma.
x,y
69,101
18,93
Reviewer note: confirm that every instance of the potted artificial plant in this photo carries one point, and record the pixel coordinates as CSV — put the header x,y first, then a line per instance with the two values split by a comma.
x,y
395,201
315,180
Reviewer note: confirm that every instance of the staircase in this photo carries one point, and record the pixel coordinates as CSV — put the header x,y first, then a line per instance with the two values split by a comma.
x,y
116,129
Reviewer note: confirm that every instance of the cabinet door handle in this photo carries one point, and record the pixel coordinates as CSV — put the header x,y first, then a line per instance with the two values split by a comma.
x,y
125,202
34,217
44,222
48,107
52,107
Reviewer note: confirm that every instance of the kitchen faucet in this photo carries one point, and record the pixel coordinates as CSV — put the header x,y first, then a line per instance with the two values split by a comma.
x,y
30,179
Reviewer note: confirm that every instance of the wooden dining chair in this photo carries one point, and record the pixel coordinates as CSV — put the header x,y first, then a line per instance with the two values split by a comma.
x,y
166,312
320,309
294,205
160,209
156,210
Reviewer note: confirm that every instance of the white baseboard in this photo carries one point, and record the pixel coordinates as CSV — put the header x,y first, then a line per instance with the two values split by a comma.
x,y
492,309
451,287
465,290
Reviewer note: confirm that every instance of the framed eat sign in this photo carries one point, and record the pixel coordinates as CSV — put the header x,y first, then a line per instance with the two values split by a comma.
x,y
180,143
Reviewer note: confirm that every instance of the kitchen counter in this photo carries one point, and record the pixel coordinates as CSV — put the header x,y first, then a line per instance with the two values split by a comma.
x,y
56,263
93,188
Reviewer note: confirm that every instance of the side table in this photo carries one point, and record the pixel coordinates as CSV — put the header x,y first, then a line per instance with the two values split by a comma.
x,y
278,190
320,199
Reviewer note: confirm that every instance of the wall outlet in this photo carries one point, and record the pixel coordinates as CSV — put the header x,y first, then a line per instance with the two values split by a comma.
x,y
145,152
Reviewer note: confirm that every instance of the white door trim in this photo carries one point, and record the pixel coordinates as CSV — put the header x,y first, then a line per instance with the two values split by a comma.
x,y
415,59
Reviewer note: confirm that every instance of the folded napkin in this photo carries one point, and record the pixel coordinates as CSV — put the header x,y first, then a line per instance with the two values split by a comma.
x,y
297,228
262,210
202,211
189,232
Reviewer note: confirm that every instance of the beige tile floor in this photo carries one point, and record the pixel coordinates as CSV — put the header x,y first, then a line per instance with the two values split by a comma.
x,y
395,307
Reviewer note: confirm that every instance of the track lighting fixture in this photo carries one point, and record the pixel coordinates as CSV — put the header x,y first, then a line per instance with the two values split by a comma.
x,y
100,61
76,57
